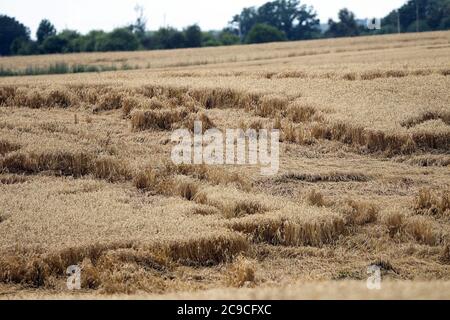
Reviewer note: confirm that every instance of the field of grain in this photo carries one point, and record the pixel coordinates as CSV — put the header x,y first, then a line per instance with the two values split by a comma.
x,y
86,177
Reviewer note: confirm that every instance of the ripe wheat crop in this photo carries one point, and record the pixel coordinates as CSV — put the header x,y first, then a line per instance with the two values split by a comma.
x,y
86,176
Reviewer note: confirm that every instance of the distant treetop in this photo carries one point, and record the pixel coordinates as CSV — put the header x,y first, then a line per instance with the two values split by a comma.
x,y
277,20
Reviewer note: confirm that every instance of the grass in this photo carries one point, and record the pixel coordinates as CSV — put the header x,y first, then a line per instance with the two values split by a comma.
x,y
157,120
377,141
62,68
429,160
204,210
162,100
212,175
241,273
421,230
153,180
445,255
100,263
315,198
12,179
325,177
7,147
359,213
242,208
299,112
395,223
285,232
188,190
270,105
433,203
427,116
64,163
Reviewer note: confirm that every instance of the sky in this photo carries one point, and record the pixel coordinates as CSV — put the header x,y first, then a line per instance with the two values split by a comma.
x,y
86,15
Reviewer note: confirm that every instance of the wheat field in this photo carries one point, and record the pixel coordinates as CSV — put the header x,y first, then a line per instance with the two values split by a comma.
x,y
86,177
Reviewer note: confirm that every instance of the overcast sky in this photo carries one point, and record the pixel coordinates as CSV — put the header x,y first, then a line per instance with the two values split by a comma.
x,y
85,15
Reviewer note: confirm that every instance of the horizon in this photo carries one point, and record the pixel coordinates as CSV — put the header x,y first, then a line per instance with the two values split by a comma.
x,y
69,14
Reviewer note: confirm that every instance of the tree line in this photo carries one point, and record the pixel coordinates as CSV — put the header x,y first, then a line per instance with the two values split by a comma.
x,y
278,20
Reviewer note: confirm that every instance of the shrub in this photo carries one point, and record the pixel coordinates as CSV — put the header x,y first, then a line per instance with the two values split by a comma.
x,y
261,33
121,39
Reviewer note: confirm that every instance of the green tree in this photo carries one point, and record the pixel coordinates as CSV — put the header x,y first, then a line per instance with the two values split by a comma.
x,y
432,15
210,39
407,14
73,40
422,25
64,42
437,14
121,39
261,33
21,46
147,40
54,44
445,23
10,30
307,25
46,29
193,36
88,42
295,20
168,38
244,21
140,26
227,38
346,27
